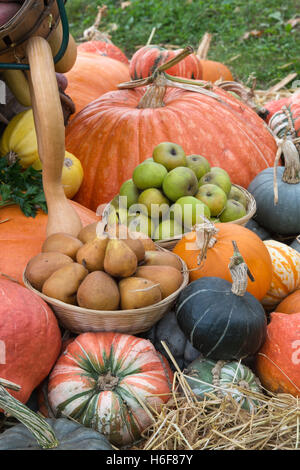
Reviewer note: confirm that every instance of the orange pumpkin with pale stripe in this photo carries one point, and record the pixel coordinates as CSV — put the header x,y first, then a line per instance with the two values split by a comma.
x,y
250,245
97,379
286,272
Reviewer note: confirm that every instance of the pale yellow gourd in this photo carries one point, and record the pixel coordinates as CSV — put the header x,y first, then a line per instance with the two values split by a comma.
x,y
50,129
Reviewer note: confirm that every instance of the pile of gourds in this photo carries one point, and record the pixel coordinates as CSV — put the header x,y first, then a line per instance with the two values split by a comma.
x,y
103,380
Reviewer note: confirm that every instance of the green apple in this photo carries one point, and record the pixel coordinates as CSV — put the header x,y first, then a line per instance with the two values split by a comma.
x,y
238,195
215,220
233,210
218,169
150,159
149,175
155,203
115,201
170,155
167,229
141,223
117,216
213,196
217,177
188,211
198,164
130,191
180,182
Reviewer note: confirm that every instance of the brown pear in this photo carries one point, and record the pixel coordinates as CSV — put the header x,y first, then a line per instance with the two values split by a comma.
x,y
98,291
149,244
169,278
63,283
137,292
137,247
120,260
88,233
162,258
91,254
62,243
41,266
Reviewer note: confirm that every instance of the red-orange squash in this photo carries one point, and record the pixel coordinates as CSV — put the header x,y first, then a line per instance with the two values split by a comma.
x,y
213,71
30,339
218,256
92,76
101,380
290,304
103,48
146,59
278,361
22,237
115,133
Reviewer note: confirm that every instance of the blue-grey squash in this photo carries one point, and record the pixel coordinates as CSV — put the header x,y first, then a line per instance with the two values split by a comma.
x,y
221,319
281,217
37,433
258,230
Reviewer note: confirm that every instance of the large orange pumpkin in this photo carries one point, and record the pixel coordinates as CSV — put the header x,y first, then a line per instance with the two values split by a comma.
x,y
92,76
278,361
213,71
218,256
291,303
286,272
22,237
115,133
30,339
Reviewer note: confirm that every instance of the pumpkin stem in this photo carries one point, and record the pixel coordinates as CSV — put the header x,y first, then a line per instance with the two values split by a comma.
x,y
239,272
37,425
205,238
107,382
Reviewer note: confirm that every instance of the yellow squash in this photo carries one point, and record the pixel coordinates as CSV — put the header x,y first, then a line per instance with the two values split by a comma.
x,y
72,174
19,138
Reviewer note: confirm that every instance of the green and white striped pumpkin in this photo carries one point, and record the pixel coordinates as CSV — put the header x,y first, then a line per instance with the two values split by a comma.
x,y
103,379
222,378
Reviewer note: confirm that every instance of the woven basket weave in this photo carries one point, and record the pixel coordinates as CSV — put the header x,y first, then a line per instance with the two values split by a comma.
x,y
81,320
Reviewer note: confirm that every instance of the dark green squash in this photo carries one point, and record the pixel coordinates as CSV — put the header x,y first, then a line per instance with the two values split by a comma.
x,y
222,378
168,330
221,319
37,433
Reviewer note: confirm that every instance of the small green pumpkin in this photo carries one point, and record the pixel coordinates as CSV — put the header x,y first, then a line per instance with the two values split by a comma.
x,y
222,378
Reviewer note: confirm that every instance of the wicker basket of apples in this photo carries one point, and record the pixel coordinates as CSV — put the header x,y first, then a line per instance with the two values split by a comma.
x,y
171,191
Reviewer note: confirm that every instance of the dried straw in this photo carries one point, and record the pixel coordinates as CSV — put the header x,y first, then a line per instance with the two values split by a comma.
x,y
218,422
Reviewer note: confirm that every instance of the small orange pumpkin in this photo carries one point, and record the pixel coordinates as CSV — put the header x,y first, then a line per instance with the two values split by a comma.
x,y
286,272
218,256
291,304
278,361
213,71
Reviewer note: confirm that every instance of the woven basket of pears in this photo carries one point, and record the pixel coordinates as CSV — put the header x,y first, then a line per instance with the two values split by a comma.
x,y
132,321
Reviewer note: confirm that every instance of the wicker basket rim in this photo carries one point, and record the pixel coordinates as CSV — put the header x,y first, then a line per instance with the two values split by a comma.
x,y
150,308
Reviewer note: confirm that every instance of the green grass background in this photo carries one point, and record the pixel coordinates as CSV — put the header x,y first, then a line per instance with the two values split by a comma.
x,y
269,57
